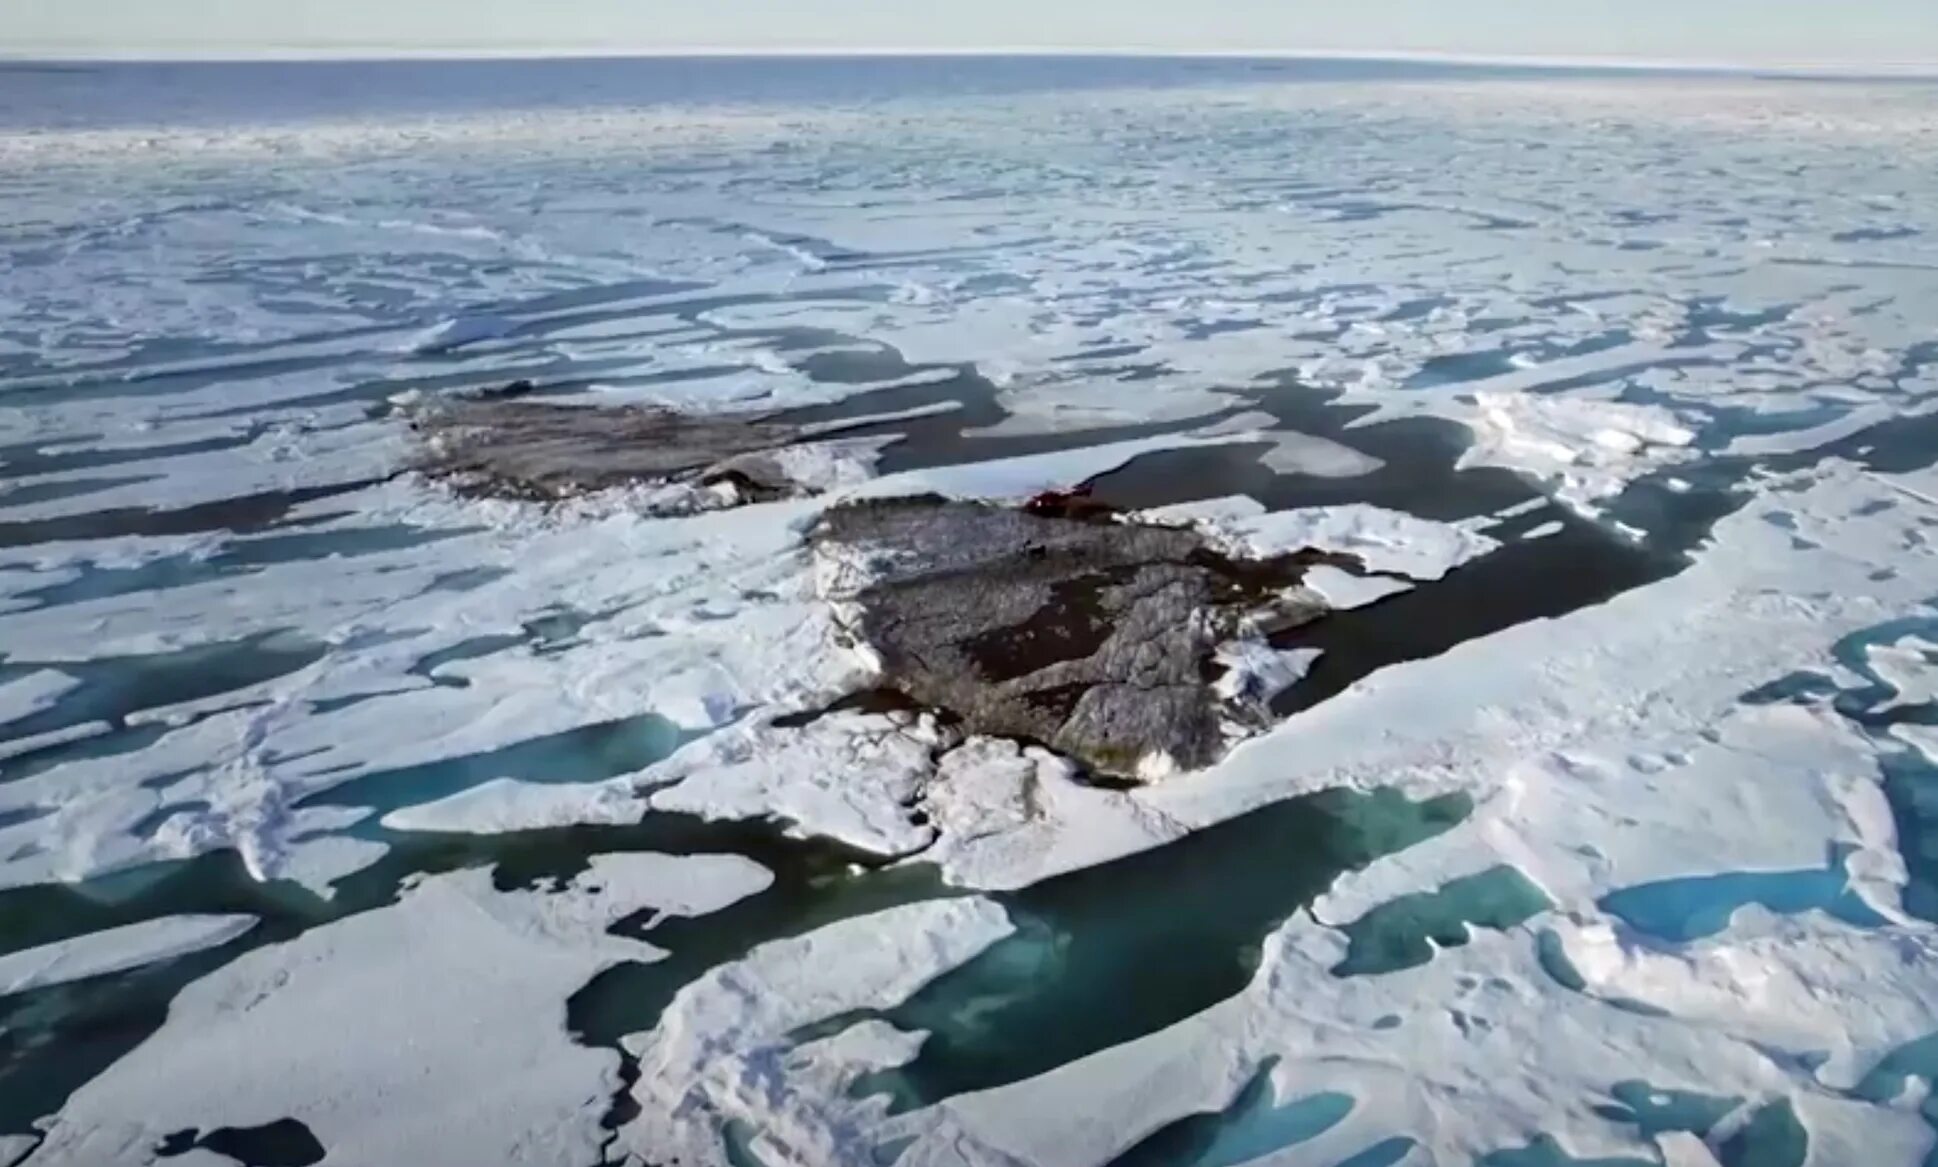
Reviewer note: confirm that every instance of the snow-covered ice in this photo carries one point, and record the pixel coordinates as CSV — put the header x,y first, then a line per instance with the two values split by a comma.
x,y
1343,590
464,986
458,332
116,950
850,777
1385,542
1589,449
723,1053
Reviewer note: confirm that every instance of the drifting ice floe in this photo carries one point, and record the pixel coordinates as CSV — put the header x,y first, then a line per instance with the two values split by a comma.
x,y
1590,449
1387,543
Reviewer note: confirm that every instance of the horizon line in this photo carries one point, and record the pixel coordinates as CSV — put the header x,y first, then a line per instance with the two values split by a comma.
x,y
352,52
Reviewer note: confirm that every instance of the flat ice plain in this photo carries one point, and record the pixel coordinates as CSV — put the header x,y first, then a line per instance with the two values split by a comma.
x,y
345,820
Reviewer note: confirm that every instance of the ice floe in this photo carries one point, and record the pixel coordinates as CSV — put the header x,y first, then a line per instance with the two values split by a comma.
x,y
1589,449
116,950
1344,591
1385,542
454,969
723,1054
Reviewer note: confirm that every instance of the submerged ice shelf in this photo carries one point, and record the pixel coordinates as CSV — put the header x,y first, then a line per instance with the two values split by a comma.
x,y
1588,820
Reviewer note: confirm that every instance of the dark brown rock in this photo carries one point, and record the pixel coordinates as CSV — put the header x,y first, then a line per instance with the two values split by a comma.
x,y
1056,623
505,447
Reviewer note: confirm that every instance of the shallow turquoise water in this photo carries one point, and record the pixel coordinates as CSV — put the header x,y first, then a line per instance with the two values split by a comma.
x,y
1404,933
1698,906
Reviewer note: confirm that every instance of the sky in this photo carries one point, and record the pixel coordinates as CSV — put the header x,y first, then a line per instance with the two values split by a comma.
x,y
1818,32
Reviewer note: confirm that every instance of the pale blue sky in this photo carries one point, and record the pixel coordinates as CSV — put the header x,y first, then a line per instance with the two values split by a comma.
x,y
1748,31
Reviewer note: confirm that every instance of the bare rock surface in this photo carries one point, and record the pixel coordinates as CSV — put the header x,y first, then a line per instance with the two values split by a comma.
x,y
1103,636
1061,625
542,450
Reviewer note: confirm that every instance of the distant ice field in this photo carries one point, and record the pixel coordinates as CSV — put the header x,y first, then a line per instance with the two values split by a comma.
x,y
348,819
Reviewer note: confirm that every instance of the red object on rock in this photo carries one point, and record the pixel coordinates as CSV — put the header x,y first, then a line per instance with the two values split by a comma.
x,y
1074,503
1055,501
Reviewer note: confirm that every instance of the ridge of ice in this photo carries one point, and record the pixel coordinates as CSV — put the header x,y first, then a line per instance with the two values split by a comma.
x,y
458,332
1588,448
116,950
1387,542
846,776
721,1052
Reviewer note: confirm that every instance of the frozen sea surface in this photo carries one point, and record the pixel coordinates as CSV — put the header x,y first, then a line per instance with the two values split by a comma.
x,y
347,820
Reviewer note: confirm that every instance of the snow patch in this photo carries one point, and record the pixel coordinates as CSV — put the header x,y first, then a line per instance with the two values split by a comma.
x,y
1257,672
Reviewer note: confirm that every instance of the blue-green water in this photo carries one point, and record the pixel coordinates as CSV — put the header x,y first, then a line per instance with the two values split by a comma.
x,y
1404,933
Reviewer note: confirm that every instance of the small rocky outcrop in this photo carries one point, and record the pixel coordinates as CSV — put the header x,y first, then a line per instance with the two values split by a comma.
x,y
504,447
1058,623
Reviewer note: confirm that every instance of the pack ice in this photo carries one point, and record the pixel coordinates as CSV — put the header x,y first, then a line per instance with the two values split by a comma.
x,y
1048,611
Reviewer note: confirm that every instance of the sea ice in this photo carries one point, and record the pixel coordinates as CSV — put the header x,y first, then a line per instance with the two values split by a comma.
x,y
506,805
287,1031
38,691
722,1054
458,332
1699,295
1384,541
1589,449
116,950
847,776
1344,591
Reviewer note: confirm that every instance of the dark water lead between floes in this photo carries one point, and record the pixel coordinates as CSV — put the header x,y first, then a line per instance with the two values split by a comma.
x,y
1113,952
